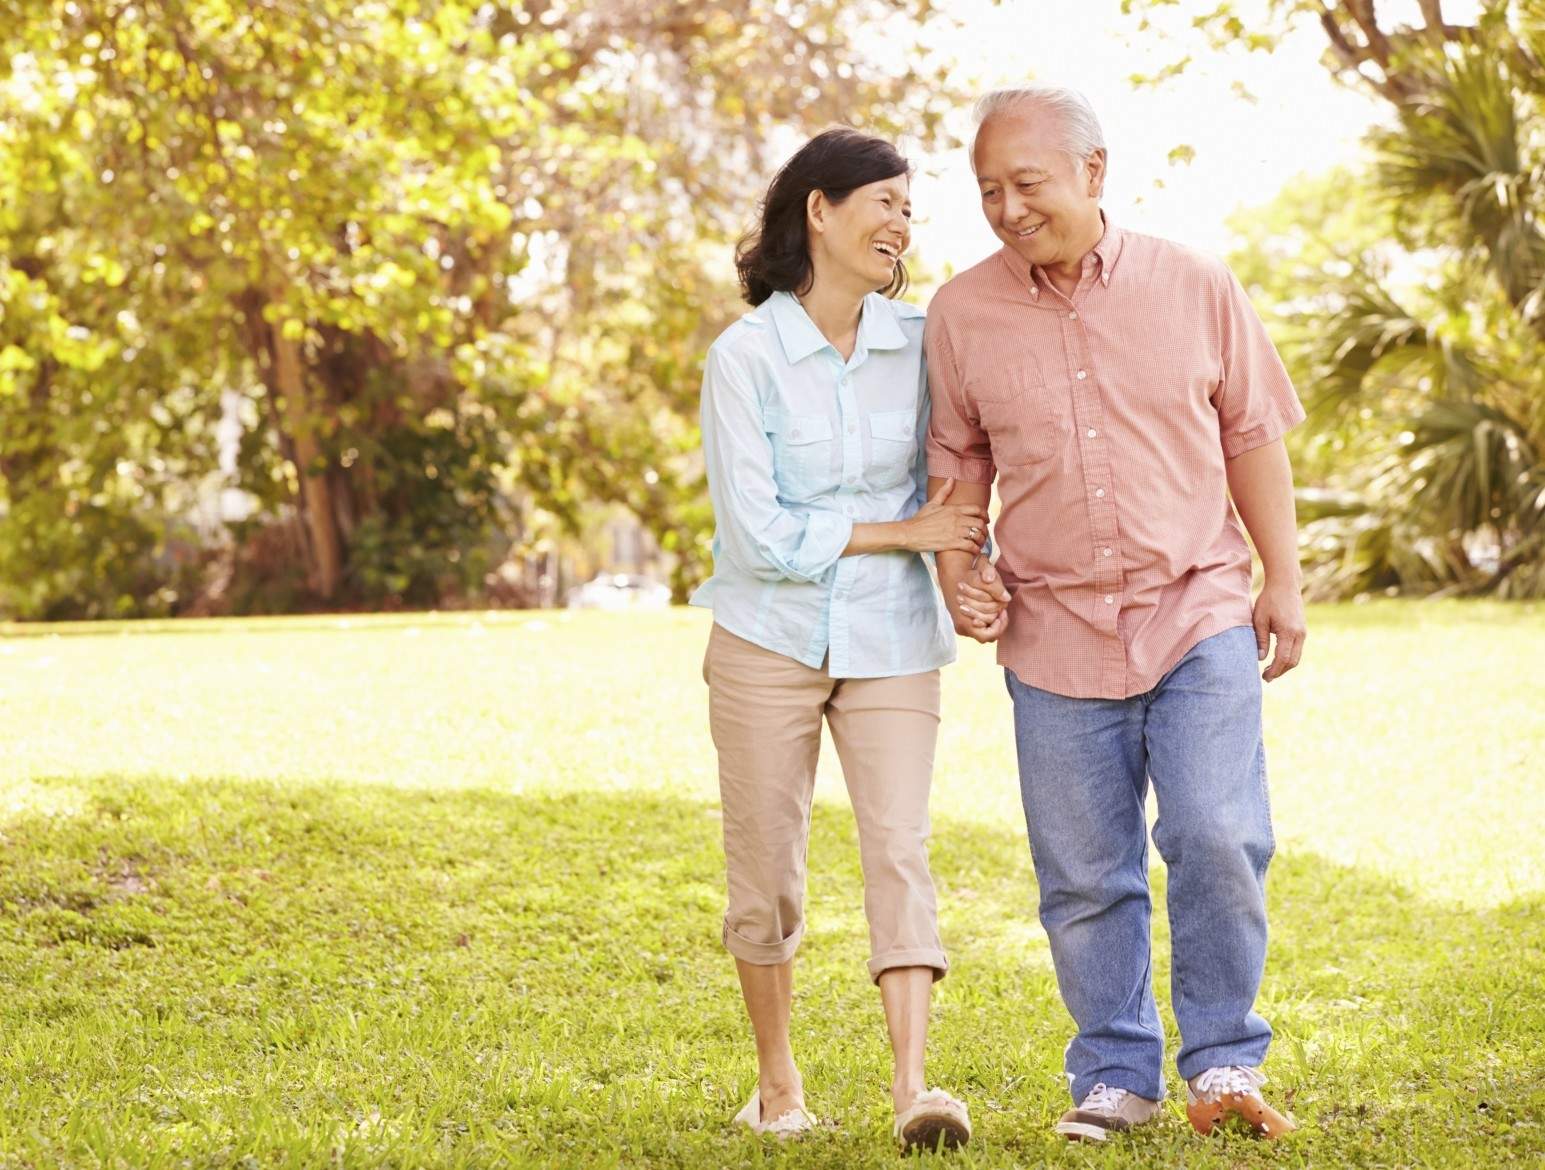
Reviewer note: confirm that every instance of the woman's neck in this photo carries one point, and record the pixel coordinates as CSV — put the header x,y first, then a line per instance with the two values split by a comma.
x,y
835,310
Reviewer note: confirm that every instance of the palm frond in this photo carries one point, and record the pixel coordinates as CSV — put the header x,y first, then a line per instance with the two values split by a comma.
x,y
1463,148
1473,466
1368,330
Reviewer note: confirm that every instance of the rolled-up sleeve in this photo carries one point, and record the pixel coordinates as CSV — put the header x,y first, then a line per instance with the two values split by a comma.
x,y
958,447
755,530
1255,399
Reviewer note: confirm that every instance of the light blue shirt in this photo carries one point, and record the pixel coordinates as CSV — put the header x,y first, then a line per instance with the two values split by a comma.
x,y
800,446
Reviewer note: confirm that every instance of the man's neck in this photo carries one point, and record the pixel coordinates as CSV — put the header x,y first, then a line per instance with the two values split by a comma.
x,y
1065,274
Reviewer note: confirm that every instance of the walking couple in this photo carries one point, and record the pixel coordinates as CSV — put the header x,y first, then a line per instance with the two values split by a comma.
x,y
1124,397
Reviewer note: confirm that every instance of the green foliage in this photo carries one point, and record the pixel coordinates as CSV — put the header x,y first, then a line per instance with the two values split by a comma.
x,y
1408,299
377,226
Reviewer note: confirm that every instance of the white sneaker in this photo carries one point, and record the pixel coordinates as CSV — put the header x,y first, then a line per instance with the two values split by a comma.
x,y
792,1124
933,1119
1105,1111
1233,1091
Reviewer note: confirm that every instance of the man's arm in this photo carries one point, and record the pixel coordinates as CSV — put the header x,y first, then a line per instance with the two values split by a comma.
x,y
955,567
958,449
1261,482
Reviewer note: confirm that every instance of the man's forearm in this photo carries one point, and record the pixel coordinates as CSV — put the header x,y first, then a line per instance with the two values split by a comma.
x,y
952,565
1261,483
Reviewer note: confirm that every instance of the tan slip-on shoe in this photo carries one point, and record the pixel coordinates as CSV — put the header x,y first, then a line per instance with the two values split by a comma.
x,y
934,1119
786,1126
1105,1111
1233,1092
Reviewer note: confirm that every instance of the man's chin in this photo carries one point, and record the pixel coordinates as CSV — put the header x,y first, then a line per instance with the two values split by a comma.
x,y
1028,249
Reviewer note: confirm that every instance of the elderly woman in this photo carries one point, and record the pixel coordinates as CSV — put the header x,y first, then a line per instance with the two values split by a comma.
x,y
814,409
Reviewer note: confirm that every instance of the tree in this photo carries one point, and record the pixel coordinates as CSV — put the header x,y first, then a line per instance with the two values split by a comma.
x,y
451,263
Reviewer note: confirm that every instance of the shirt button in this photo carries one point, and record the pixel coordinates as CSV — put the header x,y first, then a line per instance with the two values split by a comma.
x,y
1082,374
1109,600
1092,432
1099,493
794,434
852,427
1072,316
852,479
1107,551
849,509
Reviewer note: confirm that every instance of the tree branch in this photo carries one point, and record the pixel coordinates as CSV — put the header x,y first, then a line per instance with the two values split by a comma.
x,y
1362,12
1353,57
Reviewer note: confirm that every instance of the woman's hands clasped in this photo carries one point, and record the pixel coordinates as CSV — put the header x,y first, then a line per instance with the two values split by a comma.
x,y
940,525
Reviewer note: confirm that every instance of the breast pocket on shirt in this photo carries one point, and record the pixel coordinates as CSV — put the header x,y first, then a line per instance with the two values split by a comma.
x,y
1026,423
802,452
892,447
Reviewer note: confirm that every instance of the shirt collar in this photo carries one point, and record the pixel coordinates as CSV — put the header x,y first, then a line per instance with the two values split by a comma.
x,y
877,327
1107,251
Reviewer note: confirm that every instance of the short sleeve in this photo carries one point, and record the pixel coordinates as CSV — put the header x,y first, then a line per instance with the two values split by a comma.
x,y
958,447
1255,399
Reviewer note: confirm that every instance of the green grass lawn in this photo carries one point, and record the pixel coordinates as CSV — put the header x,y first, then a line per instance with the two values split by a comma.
x,y
445,891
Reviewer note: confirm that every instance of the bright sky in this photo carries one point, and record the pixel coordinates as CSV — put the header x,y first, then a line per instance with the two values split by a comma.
x,y
1302,123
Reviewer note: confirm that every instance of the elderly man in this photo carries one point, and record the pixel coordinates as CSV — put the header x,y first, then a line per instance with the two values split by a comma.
x,y
1121,391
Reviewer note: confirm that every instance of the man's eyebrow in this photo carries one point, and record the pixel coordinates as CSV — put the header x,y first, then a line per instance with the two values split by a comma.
x,y
1018,171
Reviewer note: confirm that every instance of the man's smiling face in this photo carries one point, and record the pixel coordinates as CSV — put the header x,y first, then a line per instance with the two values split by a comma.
x,y
1039,201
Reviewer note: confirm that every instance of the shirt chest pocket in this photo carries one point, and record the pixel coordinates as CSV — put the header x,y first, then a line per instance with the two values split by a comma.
x,y
802,452
892,447
1026,424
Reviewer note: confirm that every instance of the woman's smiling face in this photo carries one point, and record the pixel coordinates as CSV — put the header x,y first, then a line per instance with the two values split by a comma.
x,y
867,232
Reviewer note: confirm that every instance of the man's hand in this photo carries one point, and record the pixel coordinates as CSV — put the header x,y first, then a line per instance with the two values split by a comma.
x,y
1279,613
1261,483
982,603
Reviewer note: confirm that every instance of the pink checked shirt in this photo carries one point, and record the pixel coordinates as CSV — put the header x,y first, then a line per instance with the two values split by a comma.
x,y
1106,420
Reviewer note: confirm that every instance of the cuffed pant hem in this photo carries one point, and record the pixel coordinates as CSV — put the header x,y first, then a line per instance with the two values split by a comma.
x,y
1219,1056
918,957
1150,1088
762,954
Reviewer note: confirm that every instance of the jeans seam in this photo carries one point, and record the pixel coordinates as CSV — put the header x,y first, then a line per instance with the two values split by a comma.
x,y
1260,773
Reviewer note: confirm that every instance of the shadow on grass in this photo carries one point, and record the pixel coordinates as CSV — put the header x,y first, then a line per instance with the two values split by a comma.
x,y
224,970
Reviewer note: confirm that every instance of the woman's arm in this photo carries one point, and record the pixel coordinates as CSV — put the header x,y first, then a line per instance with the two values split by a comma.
x,y
940,526
755,531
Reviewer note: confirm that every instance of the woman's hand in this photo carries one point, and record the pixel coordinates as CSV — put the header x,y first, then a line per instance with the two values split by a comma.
x,y
940,525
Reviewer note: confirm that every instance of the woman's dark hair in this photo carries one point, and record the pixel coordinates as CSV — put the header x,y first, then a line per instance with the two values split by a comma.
x,y
775,257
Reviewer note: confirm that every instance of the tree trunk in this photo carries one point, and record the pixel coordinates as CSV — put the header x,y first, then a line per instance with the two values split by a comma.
x,y
316,496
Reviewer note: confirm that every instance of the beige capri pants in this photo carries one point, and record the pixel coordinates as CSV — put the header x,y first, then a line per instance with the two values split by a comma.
x,y
765,711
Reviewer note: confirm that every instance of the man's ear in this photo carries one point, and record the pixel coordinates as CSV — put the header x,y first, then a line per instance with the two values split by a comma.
x,y
1094,168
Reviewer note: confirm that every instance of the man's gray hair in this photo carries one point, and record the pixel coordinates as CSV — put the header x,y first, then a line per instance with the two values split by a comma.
x,y
1081,133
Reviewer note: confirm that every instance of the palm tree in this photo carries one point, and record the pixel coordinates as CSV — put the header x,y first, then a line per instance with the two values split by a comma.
x,y
1457,501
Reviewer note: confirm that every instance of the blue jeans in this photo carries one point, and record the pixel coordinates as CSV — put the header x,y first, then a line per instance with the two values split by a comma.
x,y
1084,767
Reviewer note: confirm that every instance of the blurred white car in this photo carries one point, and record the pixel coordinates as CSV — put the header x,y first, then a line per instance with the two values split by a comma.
x,y
619,591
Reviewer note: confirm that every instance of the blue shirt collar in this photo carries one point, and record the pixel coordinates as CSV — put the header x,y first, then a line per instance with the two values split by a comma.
x,y
877,327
